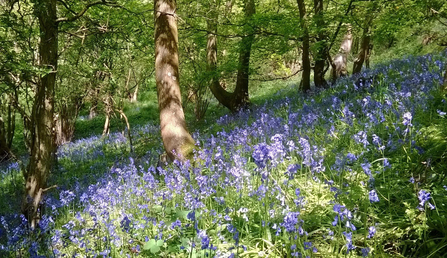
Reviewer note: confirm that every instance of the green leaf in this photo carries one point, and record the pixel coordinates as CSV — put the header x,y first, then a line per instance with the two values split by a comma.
x,y
157,208
155,249
159,243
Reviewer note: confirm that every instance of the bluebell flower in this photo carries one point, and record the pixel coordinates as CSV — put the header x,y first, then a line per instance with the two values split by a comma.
x,y
351,158
423,197
367,169
365,251
205,240
362,138
291,220
349,244
373,197
191,215
307,245
261,154
371,231
407,119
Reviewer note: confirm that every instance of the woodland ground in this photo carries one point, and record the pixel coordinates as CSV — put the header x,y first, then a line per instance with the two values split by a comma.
x,y
355,170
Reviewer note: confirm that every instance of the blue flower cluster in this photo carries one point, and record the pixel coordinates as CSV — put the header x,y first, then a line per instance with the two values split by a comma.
x,y
265,178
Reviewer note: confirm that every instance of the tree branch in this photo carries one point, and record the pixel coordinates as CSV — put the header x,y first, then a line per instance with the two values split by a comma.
x,y
277,78
81,13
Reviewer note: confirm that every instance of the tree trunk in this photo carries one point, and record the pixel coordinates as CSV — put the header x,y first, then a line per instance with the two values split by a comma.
x,y
340,62
305,79
126,121
42,143
368,55
93,112
108,107
238,99
11,125
364,48
241,90
134,97
65,120
321,52
177,141
5,152
444,85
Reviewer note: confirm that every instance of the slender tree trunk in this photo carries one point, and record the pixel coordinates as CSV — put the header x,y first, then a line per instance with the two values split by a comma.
x,y
11,125
177,141
238,99
305,79
5,152
93,112
444,85
42,143
66,120
108,106
340,62
124,117
134,97
368,55
321,52
364,48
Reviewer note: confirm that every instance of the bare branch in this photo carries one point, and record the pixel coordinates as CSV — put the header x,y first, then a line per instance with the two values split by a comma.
x,y
81,13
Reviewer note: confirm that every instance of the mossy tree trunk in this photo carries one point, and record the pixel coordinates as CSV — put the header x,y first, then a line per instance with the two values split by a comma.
x,y
238,99
305,79
177,141
42,137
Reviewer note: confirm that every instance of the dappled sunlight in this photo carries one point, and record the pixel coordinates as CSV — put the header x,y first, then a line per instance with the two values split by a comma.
x,y
342,171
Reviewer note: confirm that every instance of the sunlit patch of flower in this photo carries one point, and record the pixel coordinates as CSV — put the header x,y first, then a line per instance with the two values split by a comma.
x,y
301,175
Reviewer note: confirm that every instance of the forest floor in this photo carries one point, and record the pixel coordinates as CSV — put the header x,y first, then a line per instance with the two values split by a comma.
x,y
358,169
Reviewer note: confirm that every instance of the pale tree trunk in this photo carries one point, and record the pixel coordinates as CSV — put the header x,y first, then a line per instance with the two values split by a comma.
x,y
364,48
321,52
239,99
340,62
305,79
444,85
134,96
108,107
126,121
177,141
42,143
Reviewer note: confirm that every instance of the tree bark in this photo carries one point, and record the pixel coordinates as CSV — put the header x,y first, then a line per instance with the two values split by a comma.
x,y
340,63
444,85
239,99
321,52
364,48
177,141
108,108
305,79
42,143
5,152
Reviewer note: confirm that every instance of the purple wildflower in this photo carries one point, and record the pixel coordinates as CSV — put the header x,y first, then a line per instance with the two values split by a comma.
x,y
373,196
